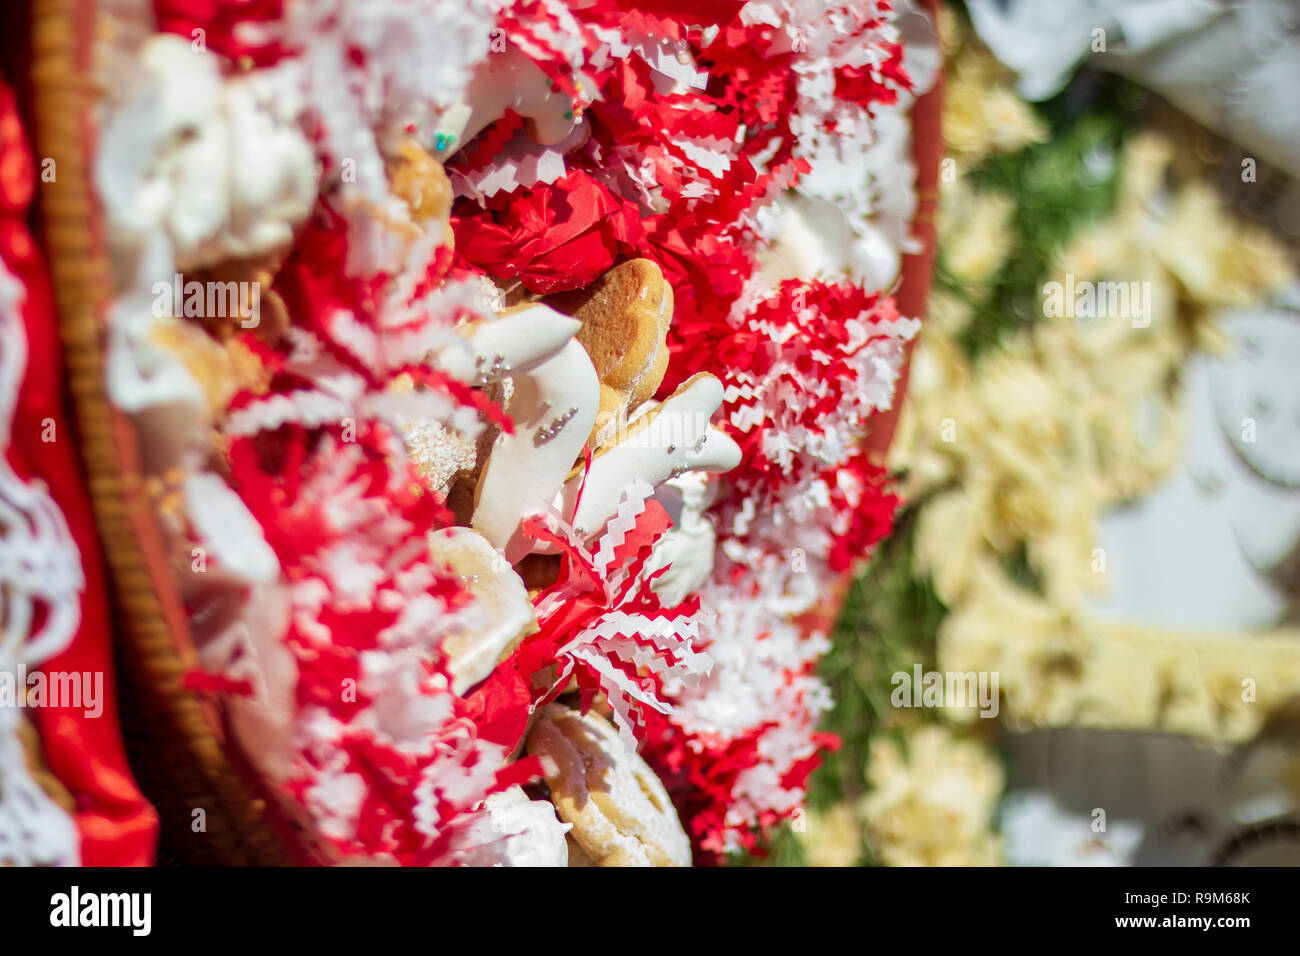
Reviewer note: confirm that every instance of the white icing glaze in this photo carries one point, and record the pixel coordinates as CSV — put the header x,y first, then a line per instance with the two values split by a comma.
x,y
515,342
667,441
526,470
534,834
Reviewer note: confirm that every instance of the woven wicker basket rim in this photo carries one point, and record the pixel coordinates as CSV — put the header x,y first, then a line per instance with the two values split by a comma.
x,y
182,753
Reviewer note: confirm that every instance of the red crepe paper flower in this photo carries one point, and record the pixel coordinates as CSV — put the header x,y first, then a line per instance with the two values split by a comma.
x,y
552,237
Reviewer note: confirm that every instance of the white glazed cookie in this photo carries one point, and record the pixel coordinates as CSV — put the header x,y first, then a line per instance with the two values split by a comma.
x,y
441,453
533,835
815,241
620,812
666,441
520,340
553,408
488,352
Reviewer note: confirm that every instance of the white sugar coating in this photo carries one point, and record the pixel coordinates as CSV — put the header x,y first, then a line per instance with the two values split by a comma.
x,y
439,452
512,830
515,342
509,80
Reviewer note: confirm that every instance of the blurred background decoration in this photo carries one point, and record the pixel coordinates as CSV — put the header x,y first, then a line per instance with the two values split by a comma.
x,y
1103,503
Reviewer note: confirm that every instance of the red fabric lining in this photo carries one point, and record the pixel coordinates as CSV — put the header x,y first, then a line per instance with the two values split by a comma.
x,y
117,826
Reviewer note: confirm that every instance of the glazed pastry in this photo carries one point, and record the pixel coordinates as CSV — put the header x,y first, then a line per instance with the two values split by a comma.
x,y
686,549
518,341
620,812
507,80
553,408
219,167
420,180
665,441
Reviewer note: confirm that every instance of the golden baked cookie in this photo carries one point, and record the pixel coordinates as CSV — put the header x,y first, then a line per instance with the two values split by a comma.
x,y
620,811
577,855
421,182
445,456
625,316
221,367
206,359
484,633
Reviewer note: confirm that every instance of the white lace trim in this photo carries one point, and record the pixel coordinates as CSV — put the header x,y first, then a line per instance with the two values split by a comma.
x,y
40,567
